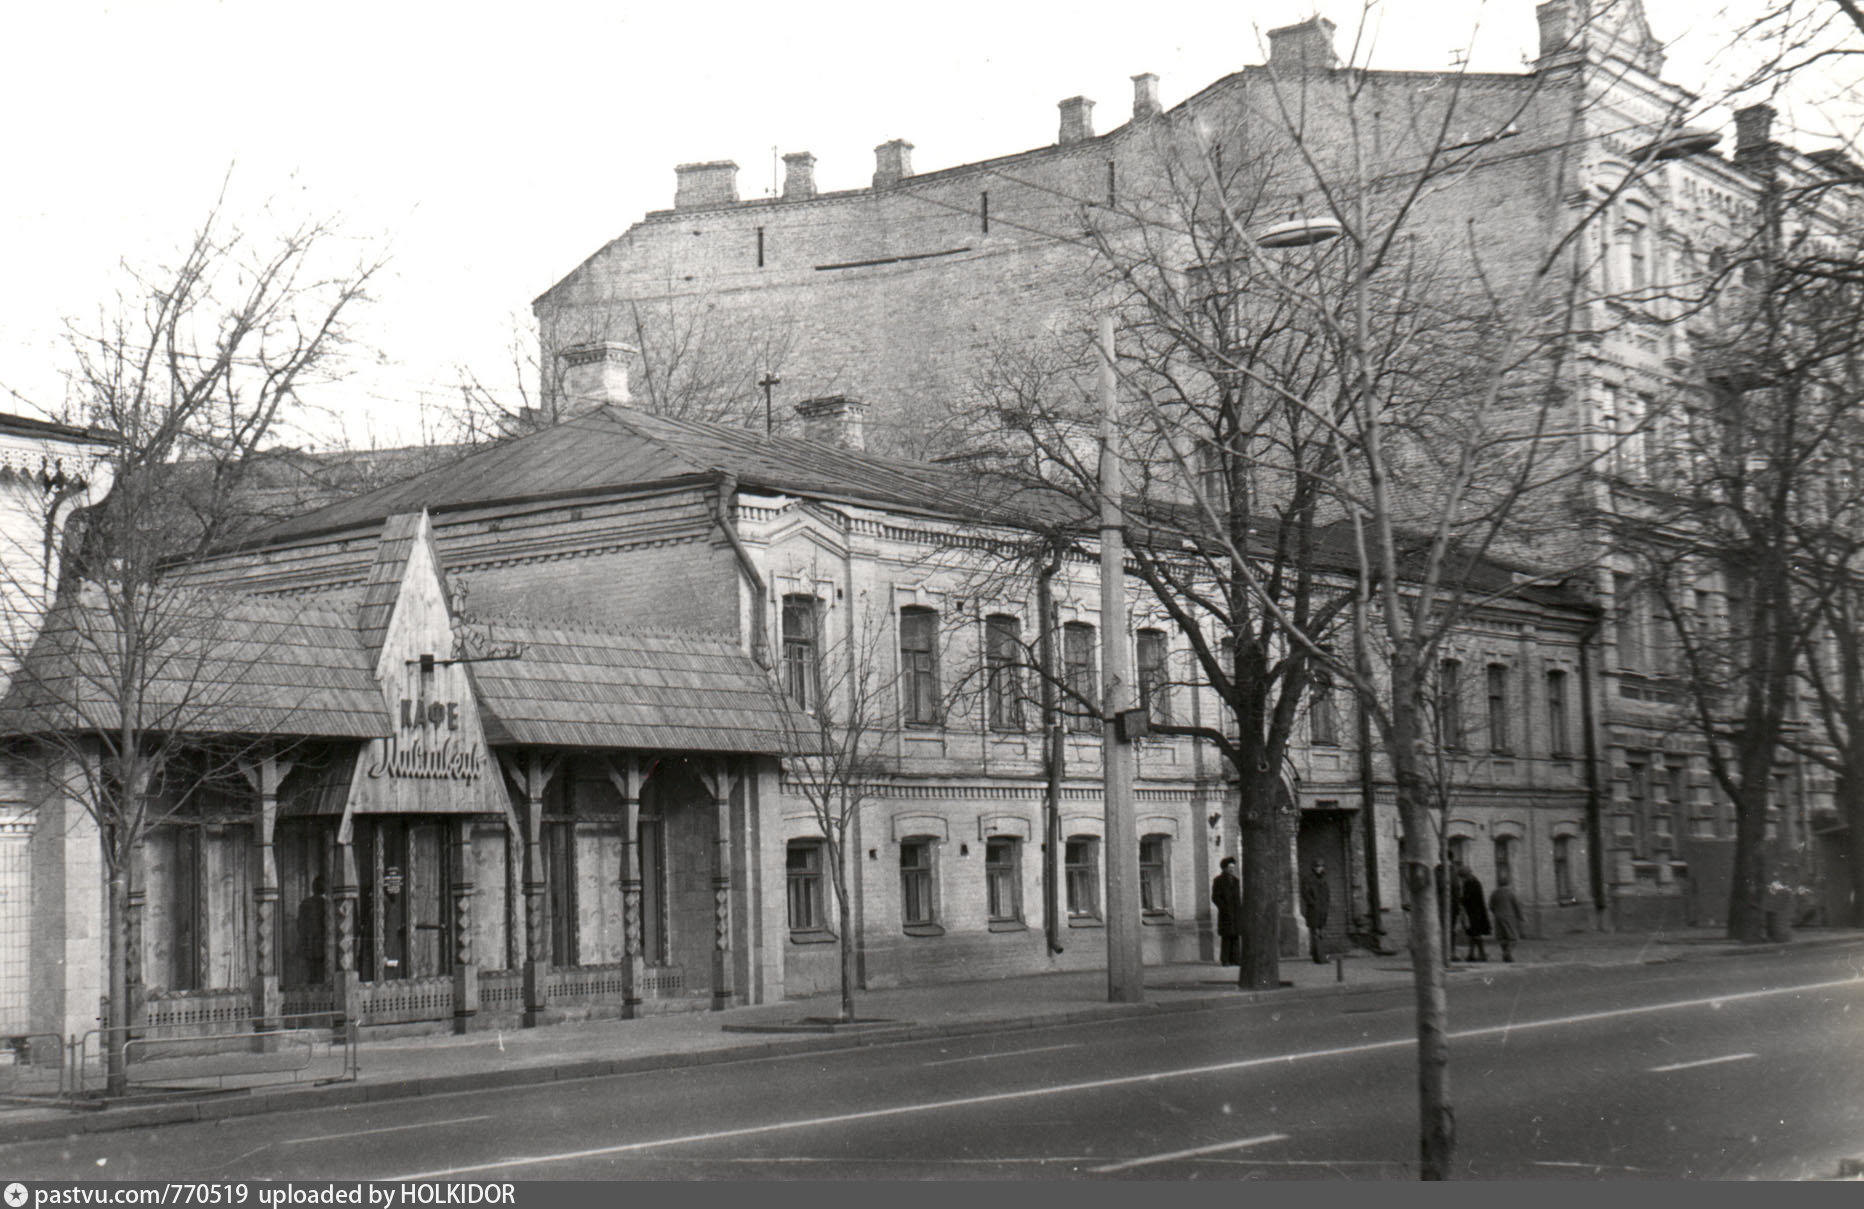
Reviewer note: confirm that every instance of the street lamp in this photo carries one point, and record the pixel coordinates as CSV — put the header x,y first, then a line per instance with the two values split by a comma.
x,y
1300,232
1678,144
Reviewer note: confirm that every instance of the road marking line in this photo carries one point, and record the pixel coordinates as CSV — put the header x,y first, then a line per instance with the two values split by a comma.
x,y
1658,1070
363,1133
1029,1093
1015,1053
1219,1148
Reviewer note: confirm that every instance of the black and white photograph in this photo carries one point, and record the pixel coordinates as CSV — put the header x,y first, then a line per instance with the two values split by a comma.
x,y
852,595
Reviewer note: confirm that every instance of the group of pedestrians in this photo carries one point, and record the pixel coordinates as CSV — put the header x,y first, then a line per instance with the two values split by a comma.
x,y
1477,916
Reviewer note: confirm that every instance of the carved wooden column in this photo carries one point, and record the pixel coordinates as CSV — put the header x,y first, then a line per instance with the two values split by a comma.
x,y
624,774
345,982
265,773
718,782
135,987
530,772
465,969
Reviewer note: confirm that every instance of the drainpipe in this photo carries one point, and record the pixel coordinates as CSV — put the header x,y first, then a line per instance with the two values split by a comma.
x,y
1595,827
760,595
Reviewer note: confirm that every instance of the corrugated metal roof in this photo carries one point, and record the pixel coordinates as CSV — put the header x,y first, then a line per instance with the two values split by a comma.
x,y
216,664
595,688
616,447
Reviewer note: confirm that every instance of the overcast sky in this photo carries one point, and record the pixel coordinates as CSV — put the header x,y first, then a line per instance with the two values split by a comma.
x,y
493,147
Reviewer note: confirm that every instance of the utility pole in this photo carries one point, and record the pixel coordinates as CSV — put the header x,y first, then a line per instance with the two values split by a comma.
x,y
767,381
1125,969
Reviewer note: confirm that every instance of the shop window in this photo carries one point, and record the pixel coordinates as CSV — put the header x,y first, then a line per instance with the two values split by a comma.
x,y
1077,656
1154,875
919,665
804,863
802,668
918,887
1563,886
1081,865
1003,879
1003,649
1154,692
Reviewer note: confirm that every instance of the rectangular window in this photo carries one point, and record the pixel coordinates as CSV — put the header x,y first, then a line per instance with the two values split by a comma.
x,y
1154,884
1078,675
1003,880
1154,694
919,665
1504,856
801,659
1563,869
804,865
1323,715
1498,707
1082,865
1637,788
1003,649
1450,703
917,907
1628,622
1637,245
1558,736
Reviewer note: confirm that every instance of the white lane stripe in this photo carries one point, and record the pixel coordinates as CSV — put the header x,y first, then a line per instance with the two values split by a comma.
x,y
1015,1053
1658,1070
1120,1081
1219,1148
363,1133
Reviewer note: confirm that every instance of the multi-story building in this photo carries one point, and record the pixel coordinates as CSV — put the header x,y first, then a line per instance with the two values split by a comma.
x,y
907,294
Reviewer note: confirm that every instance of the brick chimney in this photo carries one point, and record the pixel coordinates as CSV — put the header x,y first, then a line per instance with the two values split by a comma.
x,y
1753,132
714,183
1145,95
834,420
1557,29
593,375
1077,120
1308,45
799,175
893,163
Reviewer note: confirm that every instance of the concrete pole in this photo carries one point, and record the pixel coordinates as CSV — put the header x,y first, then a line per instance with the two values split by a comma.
x,y
1125,969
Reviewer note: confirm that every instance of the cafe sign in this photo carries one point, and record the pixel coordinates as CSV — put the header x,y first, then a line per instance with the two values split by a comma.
x,y
428,745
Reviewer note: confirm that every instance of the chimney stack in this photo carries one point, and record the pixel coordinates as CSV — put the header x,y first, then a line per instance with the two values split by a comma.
x,y
593,375
834,420
893,163
1145,95
1303,47
798,175
1077,120
1753,132
714,183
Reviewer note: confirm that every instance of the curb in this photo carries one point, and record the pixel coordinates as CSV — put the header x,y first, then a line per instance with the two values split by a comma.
x,y
414,1087
1215,998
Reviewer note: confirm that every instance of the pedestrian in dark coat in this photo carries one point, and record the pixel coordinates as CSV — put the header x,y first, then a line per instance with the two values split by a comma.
x,y
1475,914
1315,900
1505,912
1226,891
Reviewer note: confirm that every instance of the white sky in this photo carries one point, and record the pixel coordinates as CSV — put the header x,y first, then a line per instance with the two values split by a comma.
x,y
494,146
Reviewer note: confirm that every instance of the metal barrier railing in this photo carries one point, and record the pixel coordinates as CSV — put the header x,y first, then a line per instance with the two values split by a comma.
x,y
32,1064
318,1046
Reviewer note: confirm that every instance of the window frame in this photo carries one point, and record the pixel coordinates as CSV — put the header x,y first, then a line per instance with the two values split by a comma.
x,y
1496,677
1003,662
1081,676
919,881
1155,878
1153,675
1450,704
1081,880
919,681
802,653
1559,733
814,883
1003,880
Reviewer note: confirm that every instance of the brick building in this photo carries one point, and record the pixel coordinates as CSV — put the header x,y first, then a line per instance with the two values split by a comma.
x,y
907,294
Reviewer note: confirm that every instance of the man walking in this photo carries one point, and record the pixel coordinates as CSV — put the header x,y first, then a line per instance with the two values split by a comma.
x,y
1226,891
1314,904
1505,914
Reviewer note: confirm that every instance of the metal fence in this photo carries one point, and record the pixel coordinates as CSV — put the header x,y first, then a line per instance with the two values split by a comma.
x,y
313,1048
32,1065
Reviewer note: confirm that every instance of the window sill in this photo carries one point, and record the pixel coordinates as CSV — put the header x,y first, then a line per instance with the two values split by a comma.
x,y
814,936
1085,921
1157,919
923,929
1008,925
1505,752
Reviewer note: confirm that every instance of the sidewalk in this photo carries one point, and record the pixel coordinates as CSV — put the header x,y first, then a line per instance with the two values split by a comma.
x,y
414,1066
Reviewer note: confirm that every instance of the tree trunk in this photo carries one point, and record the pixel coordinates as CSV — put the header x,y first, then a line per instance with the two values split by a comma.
x,y
1262,880
1436,1118
1851,802
846,940
1747,896
117,1013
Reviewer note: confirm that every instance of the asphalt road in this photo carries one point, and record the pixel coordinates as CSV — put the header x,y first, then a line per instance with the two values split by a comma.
x,y
1721,1068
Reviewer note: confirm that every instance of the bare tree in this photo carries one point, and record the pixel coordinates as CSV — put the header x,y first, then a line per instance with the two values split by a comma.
x,y
195,369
